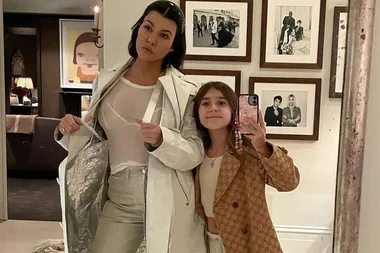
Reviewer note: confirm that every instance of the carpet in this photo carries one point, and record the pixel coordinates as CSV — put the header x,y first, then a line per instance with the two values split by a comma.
x,y
33,199
50,246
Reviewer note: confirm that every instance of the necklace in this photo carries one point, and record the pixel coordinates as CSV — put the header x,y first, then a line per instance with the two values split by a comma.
x,y
213,162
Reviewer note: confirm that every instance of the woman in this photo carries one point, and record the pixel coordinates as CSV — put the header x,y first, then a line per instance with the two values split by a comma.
x,y
230,183
296,47
291,115
159,141
273,114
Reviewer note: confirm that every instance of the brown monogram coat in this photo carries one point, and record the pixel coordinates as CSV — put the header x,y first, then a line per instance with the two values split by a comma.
x,y
240,206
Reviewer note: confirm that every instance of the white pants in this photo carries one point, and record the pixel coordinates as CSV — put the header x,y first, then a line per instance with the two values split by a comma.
x,y
121,225
215,243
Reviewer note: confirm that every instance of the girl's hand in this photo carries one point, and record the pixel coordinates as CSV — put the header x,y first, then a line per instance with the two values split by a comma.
x,y
258,138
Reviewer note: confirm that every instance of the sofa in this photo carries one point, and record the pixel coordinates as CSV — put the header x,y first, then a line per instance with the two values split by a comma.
x,y
36,153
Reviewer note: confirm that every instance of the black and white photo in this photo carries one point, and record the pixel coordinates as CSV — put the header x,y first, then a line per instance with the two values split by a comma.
x,y
290,106
292,30
284,108
218,30
292,33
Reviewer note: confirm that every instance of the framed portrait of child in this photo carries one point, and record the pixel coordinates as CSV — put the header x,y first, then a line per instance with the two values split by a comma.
x,y
78,54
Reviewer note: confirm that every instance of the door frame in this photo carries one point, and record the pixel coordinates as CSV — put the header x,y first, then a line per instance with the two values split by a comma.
x,y
3,156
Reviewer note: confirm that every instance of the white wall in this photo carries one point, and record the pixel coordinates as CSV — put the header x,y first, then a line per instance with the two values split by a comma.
x,y
303,218
70,7
370,201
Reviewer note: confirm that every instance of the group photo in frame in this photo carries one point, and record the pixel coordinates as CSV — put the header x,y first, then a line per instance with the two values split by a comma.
x,y
338,52
292,34
290,106
230,77
218,30
79,56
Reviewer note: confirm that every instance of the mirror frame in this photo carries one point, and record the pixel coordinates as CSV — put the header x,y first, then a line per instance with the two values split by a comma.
x,y
361,14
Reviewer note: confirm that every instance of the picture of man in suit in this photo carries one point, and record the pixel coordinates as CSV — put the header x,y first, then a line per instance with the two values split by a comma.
x,y
291,115
273,114
287,24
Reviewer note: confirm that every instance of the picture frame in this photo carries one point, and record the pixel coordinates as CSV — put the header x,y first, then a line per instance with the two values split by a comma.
x,y
79,56
231,77
208,40
294,38
338,54
299,119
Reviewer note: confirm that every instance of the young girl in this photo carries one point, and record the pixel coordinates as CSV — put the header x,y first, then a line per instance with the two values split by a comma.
x,y
230,183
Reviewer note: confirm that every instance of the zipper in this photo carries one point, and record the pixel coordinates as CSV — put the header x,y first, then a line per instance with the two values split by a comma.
x,y
183,190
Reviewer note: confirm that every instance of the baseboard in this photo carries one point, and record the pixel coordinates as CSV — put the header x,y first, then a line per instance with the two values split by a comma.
x,y
304,230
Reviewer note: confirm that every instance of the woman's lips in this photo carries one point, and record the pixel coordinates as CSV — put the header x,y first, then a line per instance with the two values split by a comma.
x,y
148,50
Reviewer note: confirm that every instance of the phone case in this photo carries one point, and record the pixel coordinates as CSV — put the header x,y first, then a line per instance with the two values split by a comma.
x,y
247,111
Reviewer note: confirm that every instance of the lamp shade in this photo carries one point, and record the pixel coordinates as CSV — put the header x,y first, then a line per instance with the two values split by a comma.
x,y
25,82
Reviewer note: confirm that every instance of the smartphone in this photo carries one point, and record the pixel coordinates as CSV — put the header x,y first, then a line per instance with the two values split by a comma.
x,y
248,109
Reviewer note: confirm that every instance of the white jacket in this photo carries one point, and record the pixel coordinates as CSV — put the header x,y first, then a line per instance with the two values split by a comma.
x,y
172,223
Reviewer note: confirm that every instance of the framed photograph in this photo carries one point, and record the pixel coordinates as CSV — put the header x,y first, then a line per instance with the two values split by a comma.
x,y
218,30
292,33
290,106
79,55
230,77
338,55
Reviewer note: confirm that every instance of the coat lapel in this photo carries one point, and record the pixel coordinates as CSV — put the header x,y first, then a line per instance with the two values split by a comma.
x,y
228,169
175,90
105,79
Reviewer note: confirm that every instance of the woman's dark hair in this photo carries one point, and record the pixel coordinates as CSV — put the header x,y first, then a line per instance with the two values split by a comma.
x,y
83,38
232,100
170,11
278,97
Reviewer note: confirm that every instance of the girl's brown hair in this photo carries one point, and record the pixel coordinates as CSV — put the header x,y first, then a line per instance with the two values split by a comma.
x,y
232,100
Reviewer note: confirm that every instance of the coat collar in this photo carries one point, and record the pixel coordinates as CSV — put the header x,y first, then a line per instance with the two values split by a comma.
x,y
228,169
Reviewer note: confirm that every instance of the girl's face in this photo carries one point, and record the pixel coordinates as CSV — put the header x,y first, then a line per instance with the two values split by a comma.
x,y
214,110
88,57
155,37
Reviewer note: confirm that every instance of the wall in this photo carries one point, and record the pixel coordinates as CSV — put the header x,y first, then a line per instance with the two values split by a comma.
x,y
370,201
69,7
304,217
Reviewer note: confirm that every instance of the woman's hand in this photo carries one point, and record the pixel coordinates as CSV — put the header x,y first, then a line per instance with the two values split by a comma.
x,y
258,138
70,124
151,133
